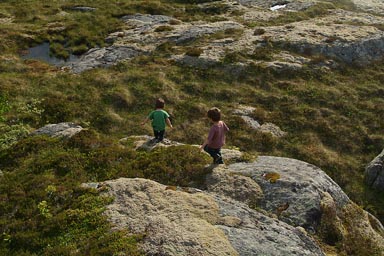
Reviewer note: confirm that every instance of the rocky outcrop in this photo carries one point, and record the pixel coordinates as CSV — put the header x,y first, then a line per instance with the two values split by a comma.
x,y
65,130
270,206
301,194
374,172
238,187
181,223
347,36
372,6
245,111
147,143
105,57
350,37
297,185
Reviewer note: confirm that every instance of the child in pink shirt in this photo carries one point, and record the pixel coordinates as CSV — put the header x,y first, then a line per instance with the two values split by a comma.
x,y
216,136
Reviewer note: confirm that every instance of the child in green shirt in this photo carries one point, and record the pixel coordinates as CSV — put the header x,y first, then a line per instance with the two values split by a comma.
x,y
159,118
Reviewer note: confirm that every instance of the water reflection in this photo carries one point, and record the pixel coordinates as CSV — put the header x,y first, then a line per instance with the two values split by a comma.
x,y
41,52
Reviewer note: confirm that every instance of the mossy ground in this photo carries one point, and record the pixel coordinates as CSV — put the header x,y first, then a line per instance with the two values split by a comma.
x,y
334,120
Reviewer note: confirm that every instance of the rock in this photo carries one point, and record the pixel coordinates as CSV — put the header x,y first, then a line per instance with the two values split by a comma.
x,y
190,33
231,154
258,234
350,37
66,130
374,172
293,182
331,227
353,44
175,222
148,143
104,57
180,223
252,123
363,236
290,5
237,187
302,195
245,111
83,8
371,6
273,129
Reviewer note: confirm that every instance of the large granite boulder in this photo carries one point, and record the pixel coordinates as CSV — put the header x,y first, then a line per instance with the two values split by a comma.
x,y
374,172
301,194
292,183
180,223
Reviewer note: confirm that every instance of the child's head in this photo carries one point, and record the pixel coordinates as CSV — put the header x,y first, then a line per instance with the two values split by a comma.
x,y
159,103
214,114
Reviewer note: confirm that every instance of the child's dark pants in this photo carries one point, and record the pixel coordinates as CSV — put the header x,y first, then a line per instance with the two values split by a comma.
x,y
215,153
159,135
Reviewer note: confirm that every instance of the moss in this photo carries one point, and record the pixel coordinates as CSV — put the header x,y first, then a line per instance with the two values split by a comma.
x,y
163,28
360,238
194,52
272,177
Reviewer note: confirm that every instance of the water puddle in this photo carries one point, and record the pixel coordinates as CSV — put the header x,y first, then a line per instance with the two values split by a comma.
x,y
41,52
278,7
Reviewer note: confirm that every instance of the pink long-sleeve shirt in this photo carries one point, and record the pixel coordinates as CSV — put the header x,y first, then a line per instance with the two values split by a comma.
x,y
216,136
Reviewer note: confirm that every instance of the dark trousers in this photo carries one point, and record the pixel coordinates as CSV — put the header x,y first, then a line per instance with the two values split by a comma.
x,y
215,153
159,135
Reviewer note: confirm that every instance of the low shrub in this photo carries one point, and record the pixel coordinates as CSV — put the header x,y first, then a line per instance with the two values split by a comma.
x,y
194,52
175,165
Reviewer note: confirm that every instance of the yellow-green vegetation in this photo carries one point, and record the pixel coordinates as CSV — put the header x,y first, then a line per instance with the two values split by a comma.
x,y
334,120
44,210
272,177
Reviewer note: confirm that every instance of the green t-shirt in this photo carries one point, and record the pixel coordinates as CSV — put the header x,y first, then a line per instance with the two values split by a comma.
x,y
158,118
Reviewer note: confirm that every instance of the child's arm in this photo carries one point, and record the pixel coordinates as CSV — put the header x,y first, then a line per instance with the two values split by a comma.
x,y
145,120
204,144
169,122
209,138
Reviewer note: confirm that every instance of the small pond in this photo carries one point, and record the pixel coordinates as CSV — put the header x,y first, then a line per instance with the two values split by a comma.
x,y
278,7
41,52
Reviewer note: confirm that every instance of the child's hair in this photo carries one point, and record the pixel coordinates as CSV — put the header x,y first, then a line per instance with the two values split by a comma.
x,y
159,103
214,114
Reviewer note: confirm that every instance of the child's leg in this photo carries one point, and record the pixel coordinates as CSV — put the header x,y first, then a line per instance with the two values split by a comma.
x,y
215,154
156,134
219,159
161,135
